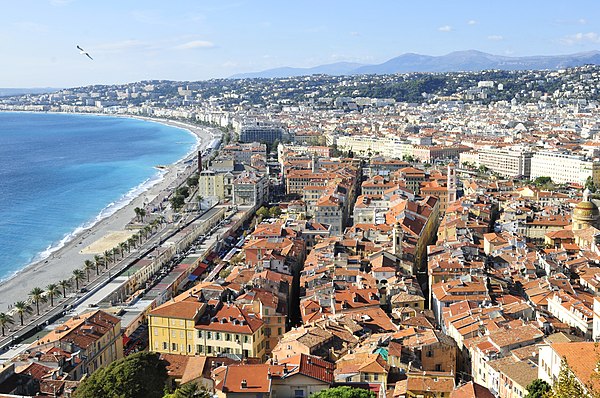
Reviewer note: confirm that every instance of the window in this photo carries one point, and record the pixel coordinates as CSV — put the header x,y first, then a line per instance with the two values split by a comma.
x,y
165,345
298,393
209,335
173,346
245,339
227,337
279,331
209,349
438,367
189,348
199,334
217,336
199,349
429,353
375,377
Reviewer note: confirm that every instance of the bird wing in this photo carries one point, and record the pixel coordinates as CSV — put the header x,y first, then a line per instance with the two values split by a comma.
x,y
81,49
88,55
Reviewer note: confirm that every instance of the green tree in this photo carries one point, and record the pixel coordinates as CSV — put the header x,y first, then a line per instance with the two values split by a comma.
x,y
262,212
140,213
567,386
88,266
589,184
52,290
344,392
189,390
177,202
275,211
5,320
37,295
192,181
107,258
22,308
537,389
98,261
139,375
542,181
78,276
224,273
483,169
183,191
64,284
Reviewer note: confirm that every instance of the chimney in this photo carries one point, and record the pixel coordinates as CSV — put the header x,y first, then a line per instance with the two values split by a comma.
x,y
244,383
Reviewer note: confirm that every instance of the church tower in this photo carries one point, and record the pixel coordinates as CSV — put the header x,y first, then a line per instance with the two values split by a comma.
x,y
397,237
451,183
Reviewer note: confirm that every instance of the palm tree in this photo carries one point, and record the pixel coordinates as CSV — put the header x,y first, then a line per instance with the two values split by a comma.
x,y
97,261
87,267
123,246
37,295
148,230
52,290
5,320
107,258
131,242
65,283
78,276
115,252
142,214
21,307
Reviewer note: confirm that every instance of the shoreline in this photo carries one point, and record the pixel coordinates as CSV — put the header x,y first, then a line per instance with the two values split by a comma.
x,y
61,261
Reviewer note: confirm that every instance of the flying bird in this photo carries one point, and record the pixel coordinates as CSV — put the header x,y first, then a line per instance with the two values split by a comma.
x,y
83,52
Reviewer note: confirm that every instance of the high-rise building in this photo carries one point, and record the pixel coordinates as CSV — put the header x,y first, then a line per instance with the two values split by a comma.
x,y
508,162
261,132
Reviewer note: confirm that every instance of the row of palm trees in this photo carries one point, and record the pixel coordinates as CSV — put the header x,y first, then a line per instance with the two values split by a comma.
x,y
38,295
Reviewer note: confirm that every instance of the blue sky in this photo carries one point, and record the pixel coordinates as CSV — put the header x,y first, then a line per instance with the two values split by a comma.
x,y
133,40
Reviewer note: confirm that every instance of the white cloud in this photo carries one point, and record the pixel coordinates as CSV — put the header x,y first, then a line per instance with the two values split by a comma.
x,y
582,21
471,22
190,45
445,28
495,37
354,34
589,37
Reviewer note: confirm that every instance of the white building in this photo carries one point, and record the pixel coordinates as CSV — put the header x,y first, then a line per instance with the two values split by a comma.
x,y
390,147
564,168
509,162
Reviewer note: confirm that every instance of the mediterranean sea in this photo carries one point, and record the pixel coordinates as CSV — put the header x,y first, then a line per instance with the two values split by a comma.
x,y
61,173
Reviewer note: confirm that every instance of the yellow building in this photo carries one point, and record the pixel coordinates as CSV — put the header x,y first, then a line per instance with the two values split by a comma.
x,y
187,326
211,183
172,326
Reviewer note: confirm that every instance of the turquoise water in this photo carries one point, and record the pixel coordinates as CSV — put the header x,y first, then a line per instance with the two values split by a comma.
x,y
60,173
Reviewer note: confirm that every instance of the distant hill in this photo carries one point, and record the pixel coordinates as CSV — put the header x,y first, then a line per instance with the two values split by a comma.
x,y
9,92
335,69
457,61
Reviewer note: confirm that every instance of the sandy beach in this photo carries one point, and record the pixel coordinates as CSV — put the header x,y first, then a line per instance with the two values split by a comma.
x,y
62,262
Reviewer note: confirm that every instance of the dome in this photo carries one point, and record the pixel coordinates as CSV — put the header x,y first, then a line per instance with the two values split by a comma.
x,y
586,211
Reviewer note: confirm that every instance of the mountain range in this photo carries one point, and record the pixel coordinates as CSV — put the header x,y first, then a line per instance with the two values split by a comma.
x,y
8,92
458,61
